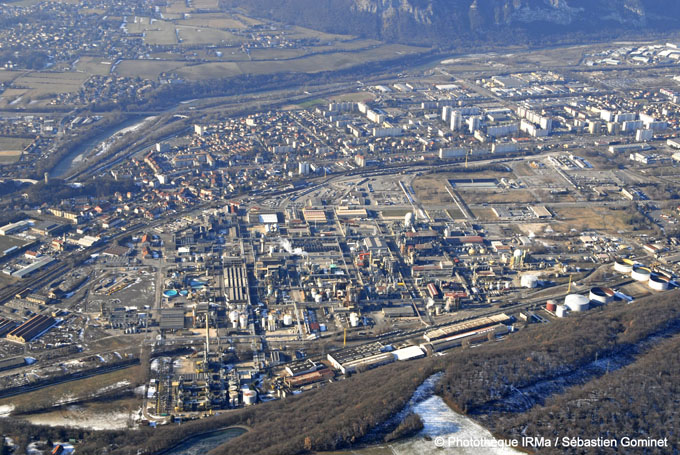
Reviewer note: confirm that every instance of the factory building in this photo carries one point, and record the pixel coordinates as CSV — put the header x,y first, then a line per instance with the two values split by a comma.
x,y
361,357
236,284
34,267
32,328
467,326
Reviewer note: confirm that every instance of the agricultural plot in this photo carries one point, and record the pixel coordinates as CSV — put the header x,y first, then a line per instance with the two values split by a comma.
x,y
191,35
147,69
213,20
94,66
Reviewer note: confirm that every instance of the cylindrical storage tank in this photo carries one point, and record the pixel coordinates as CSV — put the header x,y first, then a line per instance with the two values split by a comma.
x,y
577,303
243,321
550,305
640,273
622,267
529,281
233,317
561,311
318,298
657,283
287,320
249,396
354,319
598,295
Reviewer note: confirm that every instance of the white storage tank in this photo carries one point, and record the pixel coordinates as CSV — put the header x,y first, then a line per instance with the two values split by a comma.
x,y
623,267
287,320
249,396
640,273
233,317
243,321
529,281
599,295
577,303
561,311
354,319
657,283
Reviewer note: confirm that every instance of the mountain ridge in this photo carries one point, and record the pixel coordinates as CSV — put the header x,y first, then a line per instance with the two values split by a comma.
x,y
447,23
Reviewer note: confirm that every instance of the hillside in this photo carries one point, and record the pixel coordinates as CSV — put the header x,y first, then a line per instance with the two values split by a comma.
x,y
449,23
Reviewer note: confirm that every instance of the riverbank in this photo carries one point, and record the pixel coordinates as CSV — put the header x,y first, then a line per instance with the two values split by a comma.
x,y
82,151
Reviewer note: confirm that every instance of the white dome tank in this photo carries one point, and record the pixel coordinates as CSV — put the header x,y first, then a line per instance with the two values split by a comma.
x,y
529,281
577,303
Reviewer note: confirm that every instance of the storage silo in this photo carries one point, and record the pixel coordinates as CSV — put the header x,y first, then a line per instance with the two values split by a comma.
x,y
233,317
561,311
551,305
249,396
577,303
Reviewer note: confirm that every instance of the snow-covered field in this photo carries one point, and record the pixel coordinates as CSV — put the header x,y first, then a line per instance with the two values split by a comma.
x,y
444,431
76,416
454,432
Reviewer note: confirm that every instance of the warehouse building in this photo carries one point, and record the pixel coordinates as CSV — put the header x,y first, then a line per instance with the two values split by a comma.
x,y
236,284
6,326
14,362
362,357
172,319
32,329
37,265
467,326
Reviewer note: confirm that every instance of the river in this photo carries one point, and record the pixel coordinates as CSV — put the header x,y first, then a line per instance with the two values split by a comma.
x,y
76,156
444,431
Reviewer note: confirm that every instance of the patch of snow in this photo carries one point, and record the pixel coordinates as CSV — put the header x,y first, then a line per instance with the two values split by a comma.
x,y
117,385
6,410
79,417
